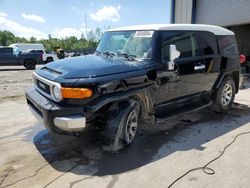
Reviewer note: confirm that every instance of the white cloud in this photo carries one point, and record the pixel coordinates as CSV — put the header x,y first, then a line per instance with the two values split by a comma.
x,y
68,32
107,13
24,31
33,17
2,14
18,29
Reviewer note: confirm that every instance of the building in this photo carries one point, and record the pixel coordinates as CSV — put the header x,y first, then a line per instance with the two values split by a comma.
x,y
231,14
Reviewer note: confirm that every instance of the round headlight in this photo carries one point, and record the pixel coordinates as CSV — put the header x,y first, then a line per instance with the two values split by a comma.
x,y
57,93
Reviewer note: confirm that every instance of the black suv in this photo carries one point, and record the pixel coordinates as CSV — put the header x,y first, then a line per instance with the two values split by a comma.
x,y
149,73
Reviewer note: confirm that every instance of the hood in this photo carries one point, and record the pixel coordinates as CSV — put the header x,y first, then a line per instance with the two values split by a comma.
x,y
91,66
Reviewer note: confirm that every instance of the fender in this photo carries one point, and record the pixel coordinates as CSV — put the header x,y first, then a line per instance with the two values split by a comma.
x,y
235,73
142,95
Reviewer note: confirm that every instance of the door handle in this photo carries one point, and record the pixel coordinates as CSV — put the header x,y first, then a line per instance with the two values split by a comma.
x,y
199,67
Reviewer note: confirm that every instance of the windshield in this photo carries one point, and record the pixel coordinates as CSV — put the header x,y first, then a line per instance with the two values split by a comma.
x,y
129,43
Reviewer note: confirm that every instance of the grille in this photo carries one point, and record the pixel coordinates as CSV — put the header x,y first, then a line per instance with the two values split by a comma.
x,y
45,87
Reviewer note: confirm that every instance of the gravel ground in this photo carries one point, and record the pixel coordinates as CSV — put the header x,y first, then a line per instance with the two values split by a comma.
x,y
14,80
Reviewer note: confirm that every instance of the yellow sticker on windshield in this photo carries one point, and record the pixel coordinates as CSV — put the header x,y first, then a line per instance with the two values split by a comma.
x,y
144,34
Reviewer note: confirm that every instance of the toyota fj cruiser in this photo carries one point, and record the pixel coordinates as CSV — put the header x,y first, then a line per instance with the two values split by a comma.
x,y
150,73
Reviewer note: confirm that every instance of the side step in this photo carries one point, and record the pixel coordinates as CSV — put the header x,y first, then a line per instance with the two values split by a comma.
x,y
183,111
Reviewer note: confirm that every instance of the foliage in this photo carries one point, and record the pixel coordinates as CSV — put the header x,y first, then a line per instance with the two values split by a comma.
x,y
69,43
6,38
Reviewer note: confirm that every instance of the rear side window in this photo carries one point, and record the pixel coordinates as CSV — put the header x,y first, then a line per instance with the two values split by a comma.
x,y
185,42
36,51
208,43
227,45
6,50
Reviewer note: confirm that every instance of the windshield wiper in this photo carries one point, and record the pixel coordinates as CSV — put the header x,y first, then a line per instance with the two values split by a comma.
x,y
98,52
128,56
107,53
111,54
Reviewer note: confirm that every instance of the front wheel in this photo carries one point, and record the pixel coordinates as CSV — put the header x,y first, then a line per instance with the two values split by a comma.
x,y
224,97
121,125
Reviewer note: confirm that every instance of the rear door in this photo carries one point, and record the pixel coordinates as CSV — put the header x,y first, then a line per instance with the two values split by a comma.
x,y
211,58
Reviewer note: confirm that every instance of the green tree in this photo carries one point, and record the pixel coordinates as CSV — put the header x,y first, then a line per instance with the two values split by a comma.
x,y
21,40
69,43
33,40
6,38
91,35
98,34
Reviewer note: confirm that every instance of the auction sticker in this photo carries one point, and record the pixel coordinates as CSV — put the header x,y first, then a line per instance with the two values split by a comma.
x,y
144,34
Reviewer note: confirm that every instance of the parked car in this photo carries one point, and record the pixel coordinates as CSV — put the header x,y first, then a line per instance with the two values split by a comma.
x,y
149,73
47,56
12,56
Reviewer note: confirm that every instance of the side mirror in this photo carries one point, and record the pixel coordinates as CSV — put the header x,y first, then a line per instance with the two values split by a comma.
x,y
173,54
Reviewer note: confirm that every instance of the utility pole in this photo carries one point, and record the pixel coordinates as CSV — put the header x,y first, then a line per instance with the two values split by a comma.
x,y
85,24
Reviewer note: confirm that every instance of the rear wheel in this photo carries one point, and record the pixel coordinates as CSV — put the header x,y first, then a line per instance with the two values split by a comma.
x,y
29,64
121,126
224,97
49,59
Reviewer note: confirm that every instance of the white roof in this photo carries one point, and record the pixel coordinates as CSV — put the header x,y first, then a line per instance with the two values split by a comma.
x,y
28,44
188,27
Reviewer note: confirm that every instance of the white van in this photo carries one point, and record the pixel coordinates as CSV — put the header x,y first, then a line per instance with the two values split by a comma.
x,y
27,46
39,48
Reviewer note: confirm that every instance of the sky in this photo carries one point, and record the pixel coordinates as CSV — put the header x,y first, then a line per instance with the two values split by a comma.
x,y
64,18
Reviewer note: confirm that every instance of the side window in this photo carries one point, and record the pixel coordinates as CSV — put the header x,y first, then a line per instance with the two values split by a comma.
x,y
185,42
208,43
228,45
6,51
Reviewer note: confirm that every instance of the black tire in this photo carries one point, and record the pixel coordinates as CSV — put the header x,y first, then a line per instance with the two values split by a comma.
x,y
49,59
118,127
221,104
29,64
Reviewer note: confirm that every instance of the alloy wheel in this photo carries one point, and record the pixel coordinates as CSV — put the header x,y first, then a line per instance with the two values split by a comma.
x,y
227,94
131,126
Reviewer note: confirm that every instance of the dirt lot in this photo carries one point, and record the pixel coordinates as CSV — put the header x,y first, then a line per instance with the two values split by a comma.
x,y
14,80
31,157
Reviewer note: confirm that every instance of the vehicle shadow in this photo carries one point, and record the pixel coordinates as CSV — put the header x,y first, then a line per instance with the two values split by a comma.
x,y
13,69
69,153
17,68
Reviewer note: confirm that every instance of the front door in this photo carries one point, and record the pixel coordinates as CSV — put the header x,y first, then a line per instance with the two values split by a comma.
x,y
188,76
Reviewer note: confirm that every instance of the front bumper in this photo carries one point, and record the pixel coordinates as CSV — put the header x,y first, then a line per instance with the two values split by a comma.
x,y
55,116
